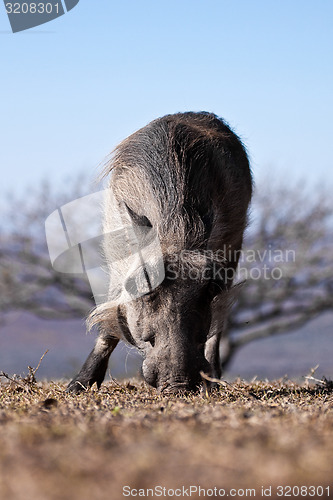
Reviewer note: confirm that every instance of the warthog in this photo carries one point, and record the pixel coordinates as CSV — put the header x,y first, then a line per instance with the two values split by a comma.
x,y
187,177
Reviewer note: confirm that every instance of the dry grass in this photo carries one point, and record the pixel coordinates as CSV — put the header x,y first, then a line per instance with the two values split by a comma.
x,y
242,435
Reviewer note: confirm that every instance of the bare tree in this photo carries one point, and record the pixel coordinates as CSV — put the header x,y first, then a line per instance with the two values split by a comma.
x,y
286,263
27,279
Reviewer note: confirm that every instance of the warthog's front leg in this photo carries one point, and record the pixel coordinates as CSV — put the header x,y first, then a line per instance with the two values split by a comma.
x,y
95,366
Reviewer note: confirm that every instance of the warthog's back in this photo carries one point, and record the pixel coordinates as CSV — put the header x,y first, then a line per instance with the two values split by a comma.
x,y
189,175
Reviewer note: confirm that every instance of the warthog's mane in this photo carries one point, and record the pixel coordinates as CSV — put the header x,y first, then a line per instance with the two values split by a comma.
x,y
180,171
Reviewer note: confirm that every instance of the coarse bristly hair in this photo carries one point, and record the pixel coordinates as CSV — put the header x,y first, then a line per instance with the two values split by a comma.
x,y
187,175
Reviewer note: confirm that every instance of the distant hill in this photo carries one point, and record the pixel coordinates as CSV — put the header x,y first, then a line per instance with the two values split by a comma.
x,y
24,338
292,353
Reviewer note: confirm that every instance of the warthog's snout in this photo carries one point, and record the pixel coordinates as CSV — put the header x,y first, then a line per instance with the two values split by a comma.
x,y
174,372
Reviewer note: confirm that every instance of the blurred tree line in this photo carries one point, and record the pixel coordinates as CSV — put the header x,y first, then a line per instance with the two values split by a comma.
x,y
285,266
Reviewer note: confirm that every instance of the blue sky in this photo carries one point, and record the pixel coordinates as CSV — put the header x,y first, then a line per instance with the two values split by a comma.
x,y
73,88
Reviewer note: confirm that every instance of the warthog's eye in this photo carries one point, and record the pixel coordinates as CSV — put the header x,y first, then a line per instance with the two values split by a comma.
x,y
149,338
139,283
150,296
139,220
144,280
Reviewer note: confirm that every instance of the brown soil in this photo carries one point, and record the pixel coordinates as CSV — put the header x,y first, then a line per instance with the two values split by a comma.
x,y
239,437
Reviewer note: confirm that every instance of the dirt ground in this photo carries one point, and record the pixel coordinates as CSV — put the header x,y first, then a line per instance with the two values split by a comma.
x,y
240,440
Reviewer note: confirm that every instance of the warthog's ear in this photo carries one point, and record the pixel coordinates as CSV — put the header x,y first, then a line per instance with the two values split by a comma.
x,y
139,220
